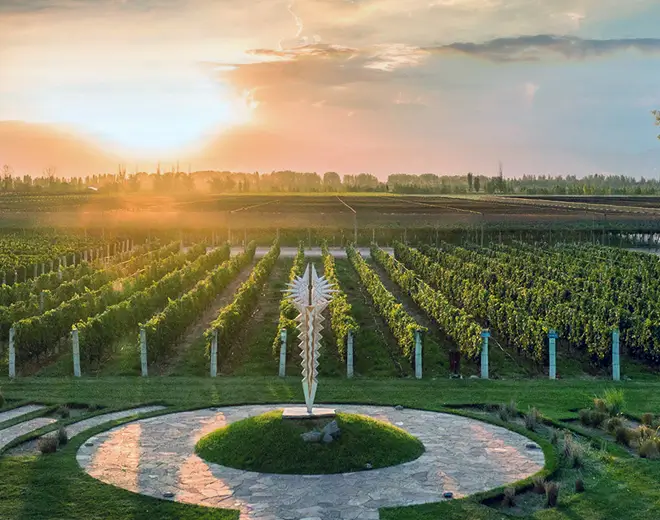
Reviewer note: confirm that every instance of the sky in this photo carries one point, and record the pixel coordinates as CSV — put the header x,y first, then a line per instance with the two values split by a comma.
x,y
380,86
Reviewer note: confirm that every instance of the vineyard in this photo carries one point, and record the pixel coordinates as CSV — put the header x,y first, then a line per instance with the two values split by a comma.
x,y
209,309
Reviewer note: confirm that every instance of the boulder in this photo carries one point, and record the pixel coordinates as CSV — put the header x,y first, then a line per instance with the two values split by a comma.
x,y
327,438
312,436
332,429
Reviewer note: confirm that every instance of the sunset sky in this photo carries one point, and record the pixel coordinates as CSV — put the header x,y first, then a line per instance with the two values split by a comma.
x,y
382,86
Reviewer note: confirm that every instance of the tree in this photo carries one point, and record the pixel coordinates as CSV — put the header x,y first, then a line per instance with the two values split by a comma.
x,y
331,181
656,114
477,184
469,179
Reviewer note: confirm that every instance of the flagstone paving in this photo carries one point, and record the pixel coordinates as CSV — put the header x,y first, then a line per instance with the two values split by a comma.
x,y
17,412
156,457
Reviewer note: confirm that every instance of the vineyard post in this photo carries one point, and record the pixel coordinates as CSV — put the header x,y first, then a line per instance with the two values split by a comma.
x,y
418,354
35,271
214,354
355,229
85,255
51,266
349,354
552,338
4,278
143,351
64,260
282,372
616,365
484,354
43,268
41,301
107,251
12,354
114,249
373,235
76,352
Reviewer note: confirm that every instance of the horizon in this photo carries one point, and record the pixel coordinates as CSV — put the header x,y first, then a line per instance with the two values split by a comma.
x,y
348,86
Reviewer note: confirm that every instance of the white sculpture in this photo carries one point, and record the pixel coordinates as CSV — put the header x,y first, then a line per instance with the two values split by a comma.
x,y
310,294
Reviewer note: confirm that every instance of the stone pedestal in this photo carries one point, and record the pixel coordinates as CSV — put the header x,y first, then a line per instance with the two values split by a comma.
x,y
300,412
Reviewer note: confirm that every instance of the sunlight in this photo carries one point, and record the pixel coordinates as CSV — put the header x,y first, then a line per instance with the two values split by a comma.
x,y
151,119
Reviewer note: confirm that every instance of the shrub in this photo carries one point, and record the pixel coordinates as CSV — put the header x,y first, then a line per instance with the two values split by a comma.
x,y
613,423
614,401
626,436
62,436
599,405
532,419
647,419
539,485
593,418
47,444
579,485
645,433
551,493
648,449
509,497
64,412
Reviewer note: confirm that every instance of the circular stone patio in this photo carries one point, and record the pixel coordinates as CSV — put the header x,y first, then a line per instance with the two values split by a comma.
x,y
156,456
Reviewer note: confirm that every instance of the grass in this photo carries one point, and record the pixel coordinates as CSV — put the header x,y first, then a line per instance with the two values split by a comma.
x,y
54,487
270,444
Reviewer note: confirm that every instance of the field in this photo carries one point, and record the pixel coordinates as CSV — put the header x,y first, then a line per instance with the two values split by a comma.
x,y
189,294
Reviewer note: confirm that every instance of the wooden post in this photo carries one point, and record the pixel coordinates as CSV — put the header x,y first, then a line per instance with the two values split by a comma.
x,y
484,354
85,255
373,235
64,261
51,266
143,351
76,352
12,353
349,354
36,271
43,267
282,372
41,301
107,251
214,354
552,338
616,364
418,354
355,229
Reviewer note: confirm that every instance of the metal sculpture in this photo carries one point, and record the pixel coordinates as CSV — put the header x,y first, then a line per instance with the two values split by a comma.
x,y
310,294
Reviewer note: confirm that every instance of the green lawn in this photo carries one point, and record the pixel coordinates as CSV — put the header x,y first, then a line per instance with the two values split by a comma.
x,y
269,444
54,487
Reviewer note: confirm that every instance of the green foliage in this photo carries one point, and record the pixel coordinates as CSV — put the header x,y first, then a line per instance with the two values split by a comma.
x,y
402,325
98,333
455,322
341,318
166,327
37,335
614,401
288,311
593,418
269,444
232,317
648,449
2,399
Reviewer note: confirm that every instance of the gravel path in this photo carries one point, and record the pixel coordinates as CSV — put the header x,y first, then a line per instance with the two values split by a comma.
x,y
9,434
17,412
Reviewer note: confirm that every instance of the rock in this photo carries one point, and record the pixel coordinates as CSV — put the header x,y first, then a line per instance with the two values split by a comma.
x,y
448,494
332,428
327,438
168,494
312,436
532,446
89,444
398,407
368,465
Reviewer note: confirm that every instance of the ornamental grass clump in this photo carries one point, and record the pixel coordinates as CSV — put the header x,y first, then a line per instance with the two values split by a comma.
x,y
647,419
614,401
532,419
551,494
509,497
62,436
47,444
538,485
573,452
648,449
613,423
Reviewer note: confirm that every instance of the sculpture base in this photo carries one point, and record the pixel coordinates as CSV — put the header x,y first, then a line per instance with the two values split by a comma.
x,y
300,412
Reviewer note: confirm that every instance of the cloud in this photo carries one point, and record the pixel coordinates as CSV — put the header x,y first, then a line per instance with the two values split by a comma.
x,y
538,47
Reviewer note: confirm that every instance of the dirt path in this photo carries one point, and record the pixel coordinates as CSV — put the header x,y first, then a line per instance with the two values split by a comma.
x,y
197,329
